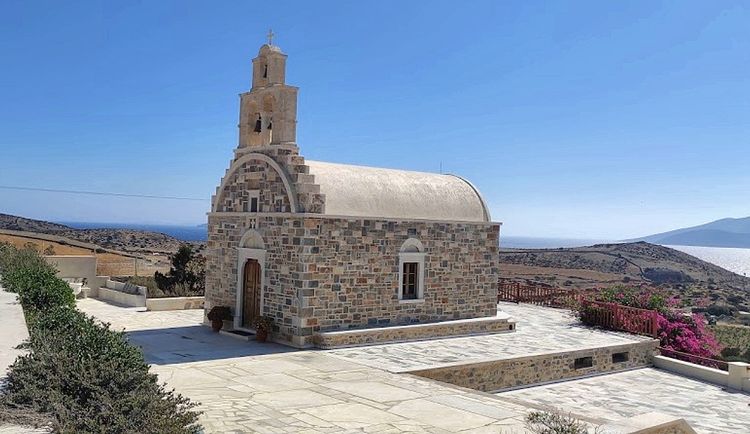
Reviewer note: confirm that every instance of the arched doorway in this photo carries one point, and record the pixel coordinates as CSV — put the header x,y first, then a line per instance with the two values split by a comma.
x,y
251,288
251,279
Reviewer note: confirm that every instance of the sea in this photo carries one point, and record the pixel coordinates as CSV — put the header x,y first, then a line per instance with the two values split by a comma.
x,y
733,259
184,233
730,258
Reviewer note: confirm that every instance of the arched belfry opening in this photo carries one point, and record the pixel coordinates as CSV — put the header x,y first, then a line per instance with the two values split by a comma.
x,y
269,109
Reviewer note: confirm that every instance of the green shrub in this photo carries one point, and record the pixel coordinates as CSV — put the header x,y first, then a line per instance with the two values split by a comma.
x,y
19,267
27,273
546,422
44,292
186,277
79,376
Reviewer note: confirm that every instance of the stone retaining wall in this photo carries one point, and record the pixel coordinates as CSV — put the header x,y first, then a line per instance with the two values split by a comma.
x,y
174,303
383,335
121,298
502,374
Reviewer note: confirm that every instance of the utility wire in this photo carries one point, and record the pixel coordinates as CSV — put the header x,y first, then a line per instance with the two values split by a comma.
x,y
100,193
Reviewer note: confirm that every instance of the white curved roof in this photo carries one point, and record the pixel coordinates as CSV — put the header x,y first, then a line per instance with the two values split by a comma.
x,y
397,194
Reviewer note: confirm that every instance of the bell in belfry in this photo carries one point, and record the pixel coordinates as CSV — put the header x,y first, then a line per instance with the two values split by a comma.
x,y
270,124
257,125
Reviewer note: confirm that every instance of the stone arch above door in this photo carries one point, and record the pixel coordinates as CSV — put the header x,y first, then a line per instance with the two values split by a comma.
x,y
252,239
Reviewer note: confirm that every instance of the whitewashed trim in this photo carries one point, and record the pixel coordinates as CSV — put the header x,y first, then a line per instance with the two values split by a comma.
x,y
419,258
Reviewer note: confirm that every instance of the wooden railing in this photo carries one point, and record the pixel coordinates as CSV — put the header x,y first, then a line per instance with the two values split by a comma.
x,y
698,360
540,295
615,316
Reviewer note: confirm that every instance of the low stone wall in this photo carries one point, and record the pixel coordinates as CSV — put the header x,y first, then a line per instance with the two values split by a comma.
x,y
174,303
382,335
116,292
522,371
121,298
737,378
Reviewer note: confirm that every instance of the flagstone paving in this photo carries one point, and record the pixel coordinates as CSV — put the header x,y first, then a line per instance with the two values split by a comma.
x,y
251,387
533,336
707,408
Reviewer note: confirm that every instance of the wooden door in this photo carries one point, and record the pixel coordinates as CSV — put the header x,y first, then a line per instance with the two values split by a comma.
x,y
251,293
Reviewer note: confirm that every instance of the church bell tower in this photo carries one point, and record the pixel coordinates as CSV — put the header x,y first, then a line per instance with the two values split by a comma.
x,y
268,112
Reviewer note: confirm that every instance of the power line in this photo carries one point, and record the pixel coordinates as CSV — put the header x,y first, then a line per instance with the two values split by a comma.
x,y
100,193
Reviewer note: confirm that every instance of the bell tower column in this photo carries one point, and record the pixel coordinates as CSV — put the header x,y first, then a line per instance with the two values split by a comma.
x,y
268,112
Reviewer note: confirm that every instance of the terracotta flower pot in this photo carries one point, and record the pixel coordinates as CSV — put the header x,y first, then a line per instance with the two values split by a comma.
x,y
216,325
261,335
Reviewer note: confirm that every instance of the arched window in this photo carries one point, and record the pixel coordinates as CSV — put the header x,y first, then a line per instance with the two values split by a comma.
x,y
411,271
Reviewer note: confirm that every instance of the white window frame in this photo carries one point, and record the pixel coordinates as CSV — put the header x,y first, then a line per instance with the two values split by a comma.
x,y
417,257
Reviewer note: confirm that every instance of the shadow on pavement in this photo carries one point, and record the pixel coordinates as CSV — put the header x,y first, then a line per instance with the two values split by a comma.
x,y
196,343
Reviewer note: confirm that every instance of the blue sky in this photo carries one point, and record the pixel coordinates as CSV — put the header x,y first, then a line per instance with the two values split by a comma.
x,y
582,119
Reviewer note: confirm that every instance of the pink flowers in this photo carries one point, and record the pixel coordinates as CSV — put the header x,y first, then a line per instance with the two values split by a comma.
x,y
676,331
687,334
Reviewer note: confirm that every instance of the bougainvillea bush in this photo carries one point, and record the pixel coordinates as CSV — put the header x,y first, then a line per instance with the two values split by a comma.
x,y
676,330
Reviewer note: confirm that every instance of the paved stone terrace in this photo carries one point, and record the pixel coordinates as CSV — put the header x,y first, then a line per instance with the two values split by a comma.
x,y
251,387
707,408
177,336
539,330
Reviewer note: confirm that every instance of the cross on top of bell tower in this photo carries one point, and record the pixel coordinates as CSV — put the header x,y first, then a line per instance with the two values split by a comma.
x,y
270,36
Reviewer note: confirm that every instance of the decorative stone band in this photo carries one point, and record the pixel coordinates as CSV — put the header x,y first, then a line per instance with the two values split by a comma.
x,y
413,332
496,375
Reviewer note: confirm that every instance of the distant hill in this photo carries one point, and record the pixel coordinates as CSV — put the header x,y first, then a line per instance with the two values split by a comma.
x,y
630,263
127,240
728,232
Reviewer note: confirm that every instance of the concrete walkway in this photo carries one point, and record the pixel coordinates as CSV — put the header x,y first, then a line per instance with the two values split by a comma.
x,y
13,329
13,332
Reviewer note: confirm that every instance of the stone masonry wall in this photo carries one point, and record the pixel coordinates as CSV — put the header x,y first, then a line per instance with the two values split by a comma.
x,y
351,272
254,175
325,274
501,374
282,266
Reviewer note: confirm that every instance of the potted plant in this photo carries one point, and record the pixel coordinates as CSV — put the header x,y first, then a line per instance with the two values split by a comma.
x,y
217,315
262,326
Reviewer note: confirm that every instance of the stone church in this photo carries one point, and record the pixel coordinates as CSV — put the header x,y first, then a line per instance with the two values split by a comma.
x,y
325,247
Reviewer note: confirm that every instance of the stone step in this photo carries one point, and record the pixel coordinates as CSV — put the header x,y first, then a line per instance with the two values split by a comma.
x,y
414,332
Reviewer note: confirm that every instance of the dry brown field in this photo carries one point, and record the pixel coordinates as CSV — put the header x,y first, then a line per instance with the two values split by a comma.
x,y
107,264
